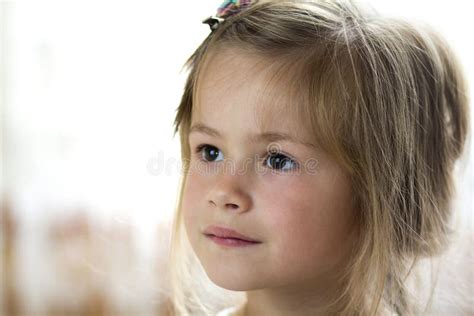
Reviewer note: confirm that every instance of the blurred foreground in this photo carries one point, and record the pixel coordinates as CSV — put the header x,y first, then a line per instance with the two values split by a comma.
x,y
74,265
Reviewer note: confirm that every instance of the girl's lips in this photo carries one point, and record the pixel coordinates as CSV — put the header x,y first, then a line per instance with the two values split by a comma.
x,y
227,233
231,242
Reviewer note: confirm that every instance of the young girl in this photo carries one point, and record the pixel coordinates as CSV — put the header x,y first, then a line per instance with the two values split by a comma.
x,y
318,145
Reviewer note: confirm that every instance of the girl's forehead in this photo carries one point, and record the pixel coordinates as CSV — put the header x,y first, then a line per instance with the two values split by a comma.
x,y
233,80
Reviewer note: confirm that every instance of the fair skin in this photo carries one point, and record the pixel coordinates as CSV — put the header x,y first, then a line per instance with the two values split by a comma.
x,y
302,216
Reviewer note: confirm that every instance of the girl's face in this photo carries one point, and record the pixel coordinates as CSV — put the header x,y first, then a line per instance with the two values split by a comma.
x,y
296,201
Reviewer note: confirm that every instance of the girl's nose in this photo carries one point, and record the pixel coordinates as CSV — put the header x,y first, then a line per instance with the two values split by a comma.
x,y
229,194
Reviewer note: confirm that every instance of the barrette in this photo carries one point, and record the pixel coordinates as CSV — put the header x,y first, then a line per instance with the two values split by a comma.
x,y
225,10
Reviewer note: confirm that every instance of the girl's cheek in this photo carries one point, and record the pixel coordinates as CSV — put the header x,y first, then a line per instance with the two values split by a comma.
x,y
282,193
280,180
193,186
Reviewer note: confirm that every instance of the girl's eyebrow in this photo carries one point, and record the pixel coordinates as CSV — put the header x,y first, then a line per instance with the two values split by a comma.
x,y
258,138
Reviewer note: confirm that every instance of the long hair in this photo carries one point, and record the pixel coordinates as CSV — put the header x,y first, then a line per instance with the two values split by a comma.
x,y
388,101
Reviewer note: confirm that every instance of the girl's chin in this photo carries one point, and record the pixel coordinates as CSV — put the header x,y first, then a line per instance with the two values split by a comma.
x,y
235,282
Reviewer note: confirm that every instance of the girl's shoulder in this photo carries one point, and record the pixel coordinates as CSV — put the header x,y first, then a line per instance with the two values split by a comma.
x,y
232,311
239,311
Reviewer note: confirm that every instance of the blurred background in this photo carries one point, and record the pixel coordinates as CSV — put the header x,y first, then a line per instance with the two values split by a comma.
x,y
90,168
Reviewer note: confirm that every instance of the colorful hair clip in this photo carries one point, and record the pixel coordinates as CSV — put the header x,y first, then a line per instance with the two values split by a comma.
x,y
225,10
231,7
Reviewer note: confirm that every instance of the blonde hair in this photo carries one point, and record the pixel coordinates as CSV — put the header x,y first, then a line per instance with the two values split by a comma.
x,y
387,99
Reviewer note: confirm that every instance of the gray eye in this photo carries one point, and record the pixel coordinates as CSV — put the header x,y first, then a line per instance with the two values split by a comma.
x,y
209,153
280,162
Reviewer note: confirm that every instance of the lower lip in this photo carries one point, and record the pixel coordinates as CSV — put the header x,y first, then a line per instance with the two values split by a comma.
x,y
230,242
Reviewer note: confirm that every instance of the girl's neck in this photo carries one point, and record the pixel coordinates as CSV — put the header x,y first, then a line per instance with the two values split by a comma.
x,y
286,302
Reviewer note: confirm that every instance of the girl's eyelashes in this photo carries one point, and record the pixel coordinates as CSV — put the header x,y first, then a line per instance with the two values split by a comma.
x,y
274,160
